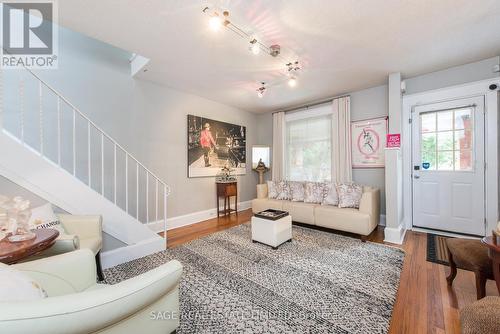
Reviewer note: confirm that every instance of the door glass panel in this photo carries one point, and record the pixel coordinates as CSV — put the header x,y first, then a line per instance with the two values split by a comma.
x,y
463,160
463,119
445,120
429,142
463,140
428,122
445,160
445,141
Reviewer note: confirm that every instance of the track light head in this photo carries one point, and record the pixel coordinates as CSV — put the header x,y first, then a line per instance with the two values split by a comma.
x,y
254,46
261,90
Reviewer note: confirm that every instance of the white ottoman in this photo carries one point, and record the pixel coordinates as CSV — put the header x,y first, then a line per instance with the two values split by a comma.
x,y
272,232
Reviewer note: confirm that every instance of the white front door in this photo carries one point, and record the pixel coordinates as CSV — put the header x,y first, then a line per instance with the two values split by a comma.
x,y
448,166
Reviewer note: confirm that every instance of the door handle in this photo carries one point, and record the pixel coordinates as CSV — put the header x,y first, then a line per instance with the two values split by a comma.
x,y
416,176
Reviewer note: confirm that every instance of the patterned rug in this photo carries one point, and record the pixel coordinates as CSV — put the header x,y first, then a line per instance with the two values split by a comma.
x,y
318,283
437,251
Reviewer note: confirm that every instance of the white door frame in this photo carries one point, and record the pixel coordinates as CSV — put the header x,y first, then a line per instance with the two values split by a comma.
x,y
479,88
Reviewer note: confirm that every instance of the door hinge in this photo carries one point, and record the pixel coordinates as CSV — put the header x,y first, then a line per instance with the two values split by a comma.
x,y
409,120
485,165
485,224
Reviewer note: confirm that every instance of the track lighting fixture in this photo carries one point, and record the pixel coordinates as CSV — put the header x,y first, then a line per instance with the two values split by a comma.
x,y
216,20
219,19
261,90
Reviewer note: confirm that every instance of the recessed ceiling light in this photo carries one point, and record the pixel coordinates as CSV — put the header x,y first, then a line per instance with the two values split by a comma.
x,y
292,82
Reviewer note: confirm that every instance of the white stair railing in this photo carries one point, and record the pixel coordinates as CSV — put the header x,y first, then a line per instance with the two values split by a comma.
x,y
16,112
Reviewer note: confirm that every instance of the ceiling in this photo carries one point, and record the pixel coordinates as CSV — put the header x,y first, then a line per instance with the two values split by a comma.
x,y
343,45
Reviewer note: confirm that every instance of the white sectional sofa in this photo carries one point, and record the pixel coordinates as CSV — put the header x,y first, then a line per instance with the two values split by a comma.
x,y
361,221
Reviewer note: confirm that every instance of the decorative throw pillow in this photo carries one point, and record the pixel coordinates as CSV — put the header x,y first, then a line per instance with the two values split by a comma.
x,y
284,191
330,196
272,189
16,286
313,192
297,191
349,195
44,217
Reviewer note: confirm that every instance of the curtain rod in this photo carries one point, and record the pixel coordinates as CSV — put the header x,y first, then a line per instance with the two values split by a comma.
x,y
313,104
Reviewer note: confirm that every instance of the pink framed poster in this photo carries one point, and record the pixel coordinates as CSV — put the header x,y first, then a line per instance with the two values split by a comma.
x,y
368,141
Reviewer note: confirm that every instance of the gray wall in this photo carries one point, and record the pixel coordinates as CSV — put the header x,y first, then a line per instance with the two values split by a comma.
x,y
365,104
147,119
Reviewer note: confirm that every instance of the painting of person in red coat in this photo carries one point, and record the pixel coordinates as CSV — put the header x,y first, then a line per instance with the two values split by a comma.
x,y
206,142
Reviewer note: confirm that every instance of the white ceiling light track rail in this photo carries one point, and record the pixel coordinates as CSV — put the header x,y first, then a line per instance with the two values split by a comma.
x,y
220,18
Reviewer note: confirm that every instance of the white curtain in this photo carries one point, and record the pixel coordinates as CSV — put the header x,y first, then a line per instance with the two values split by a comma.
x,y
278,146
341,140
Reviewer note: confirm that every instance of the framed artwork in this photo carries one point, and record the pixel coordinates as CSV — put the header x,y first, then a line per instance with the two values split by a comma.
x,y
368,138
214,144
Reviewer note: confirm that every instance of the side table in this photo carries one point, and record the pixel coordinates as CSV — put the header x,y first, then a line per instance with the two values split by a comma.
x,y
227,190
12,252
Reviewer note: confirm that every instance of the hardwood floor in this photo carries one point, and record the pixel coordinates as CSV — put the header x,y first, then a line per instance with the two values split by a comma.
x,y
424,304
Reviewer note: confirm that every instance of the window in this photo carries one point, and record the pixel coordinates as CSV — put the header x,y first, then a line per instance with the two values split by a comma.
x,y
308,146
446,139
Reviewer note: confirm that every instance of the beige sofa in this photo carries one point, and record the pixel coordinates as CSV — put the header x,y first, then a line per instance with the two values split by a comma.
x,y
361,221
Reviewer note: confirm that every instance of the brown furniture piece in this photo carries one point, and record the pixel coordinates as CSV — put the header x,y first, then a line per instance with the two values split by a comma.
x,y
472,255
12,252
492,242
227,190
482,316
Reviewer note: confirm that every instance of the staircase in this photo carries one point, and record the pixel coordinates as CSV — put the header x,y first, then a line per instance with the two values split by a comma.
x,y
52,149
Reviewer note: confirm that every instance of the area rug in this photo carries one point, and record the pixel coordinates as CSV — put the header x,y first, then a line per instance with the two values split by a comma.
x,y
318,283
437,251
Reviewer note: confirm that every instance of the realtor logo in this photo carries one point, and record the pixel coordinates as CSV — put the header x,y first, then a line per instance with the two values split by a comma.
x,y
29,34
